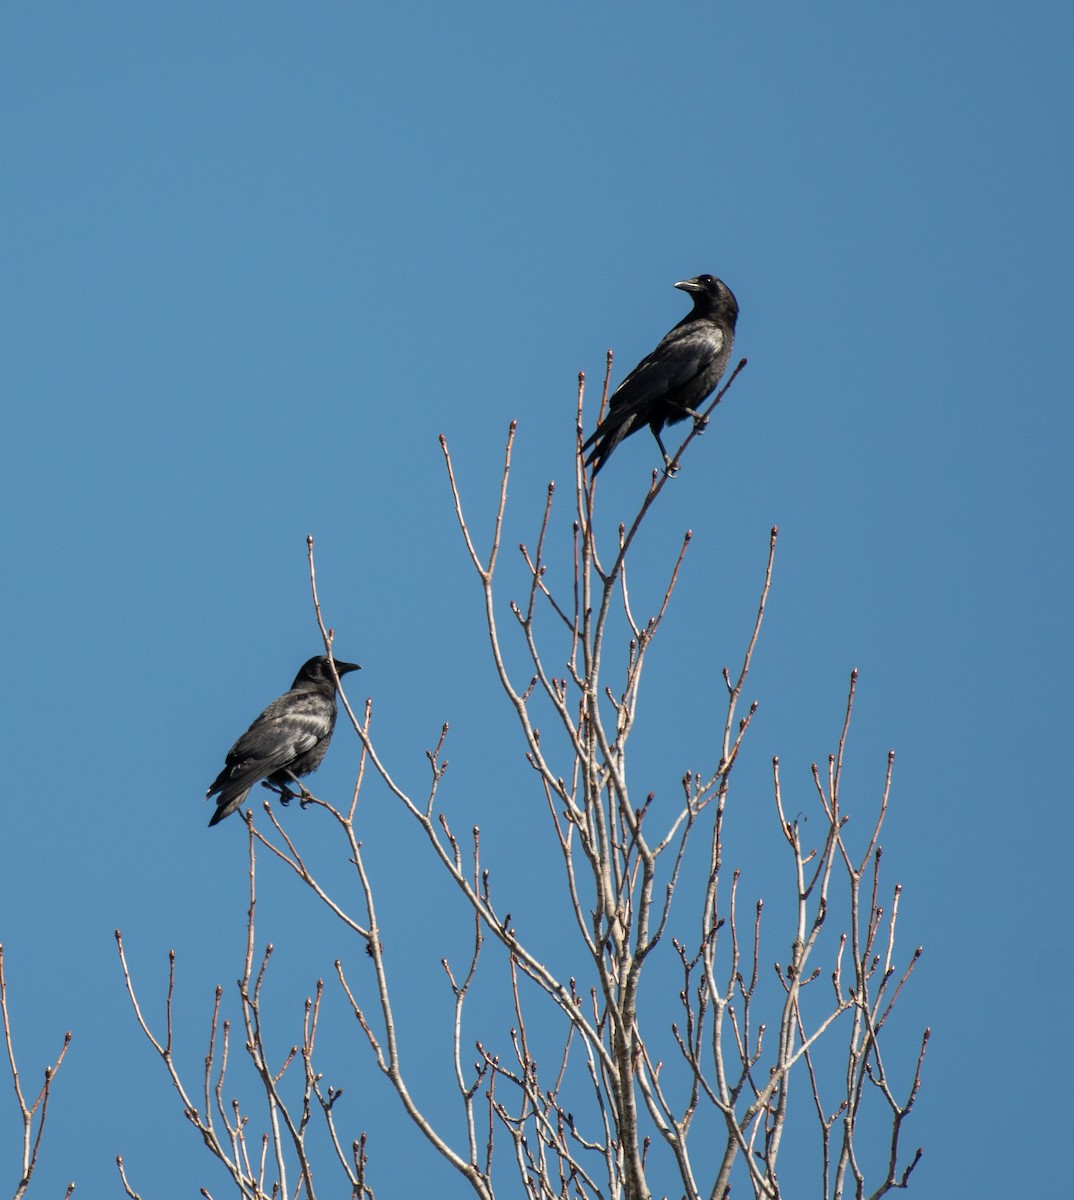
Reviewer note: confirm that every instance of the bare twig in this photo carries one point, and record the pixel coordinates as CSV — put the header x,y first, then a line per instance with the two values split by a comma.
x,y
28,1110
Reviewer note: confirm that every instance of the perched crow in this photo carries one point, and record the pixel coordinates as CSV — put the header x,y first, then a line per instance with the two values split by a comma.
x,y
289,739
675,380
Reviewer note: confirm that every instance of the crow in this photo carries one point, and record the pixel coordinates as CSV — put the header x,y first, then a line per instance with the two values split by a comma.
x,y
675,380
289,739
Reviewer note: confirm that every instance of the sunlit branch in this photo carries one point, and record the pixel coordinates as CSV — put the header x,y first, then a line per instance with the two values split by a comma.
x,y
28,1110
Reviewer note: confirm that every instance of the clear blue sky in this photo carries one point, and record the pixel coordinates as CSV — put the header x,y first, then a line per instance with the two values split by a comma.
x,y
257,257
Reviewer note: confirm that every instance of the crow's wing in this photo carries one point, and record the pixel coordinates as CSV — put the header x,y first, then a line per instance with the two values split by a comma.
x,y
678,361
680,358
288,728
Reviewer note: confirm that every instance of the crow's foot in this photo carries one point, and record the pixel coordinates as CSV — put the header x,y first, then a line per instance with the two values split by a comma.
x,y
285,794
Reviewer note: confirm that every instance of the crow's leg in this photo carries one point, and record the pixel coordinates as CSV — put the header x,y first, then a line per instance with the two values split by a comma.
x,y
285,794
700,420
304,794
669,467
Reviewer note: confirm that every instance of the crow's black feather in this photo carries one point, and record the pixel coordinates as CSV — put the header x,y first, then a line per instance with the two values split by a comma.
x,y
675,380
288,740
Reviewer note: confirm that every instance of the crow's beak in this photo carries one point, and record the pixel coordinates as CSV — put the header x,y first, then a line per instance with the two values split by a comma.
x,y
343,667
689,285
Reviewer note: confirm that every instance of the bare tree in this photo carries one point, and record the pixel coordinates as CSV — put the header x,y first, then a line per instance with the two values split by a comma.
x,y
31,1112
259,1167
606,1111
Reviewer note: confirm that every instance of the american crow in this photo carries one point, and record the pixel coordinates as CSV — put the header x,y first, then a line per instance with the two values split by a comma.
x,y
674,381
289,739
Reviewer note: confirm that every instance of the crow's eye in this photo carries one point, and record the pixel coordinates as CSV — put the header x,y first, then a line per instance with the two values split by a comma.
x,y
707,279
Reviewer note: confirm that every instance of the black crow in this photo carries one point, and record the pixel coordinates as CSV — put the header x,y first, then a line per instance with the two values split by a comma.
x,y
675,380
289,739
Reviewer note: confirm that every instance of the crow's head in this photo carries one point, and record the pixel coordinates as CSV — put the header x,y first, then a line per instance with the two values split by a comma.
x,y
711,296
317,670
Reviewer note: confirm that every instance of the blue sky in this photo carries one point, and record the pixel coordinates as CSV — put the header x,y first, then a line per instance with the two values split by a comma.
x,y
257,257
